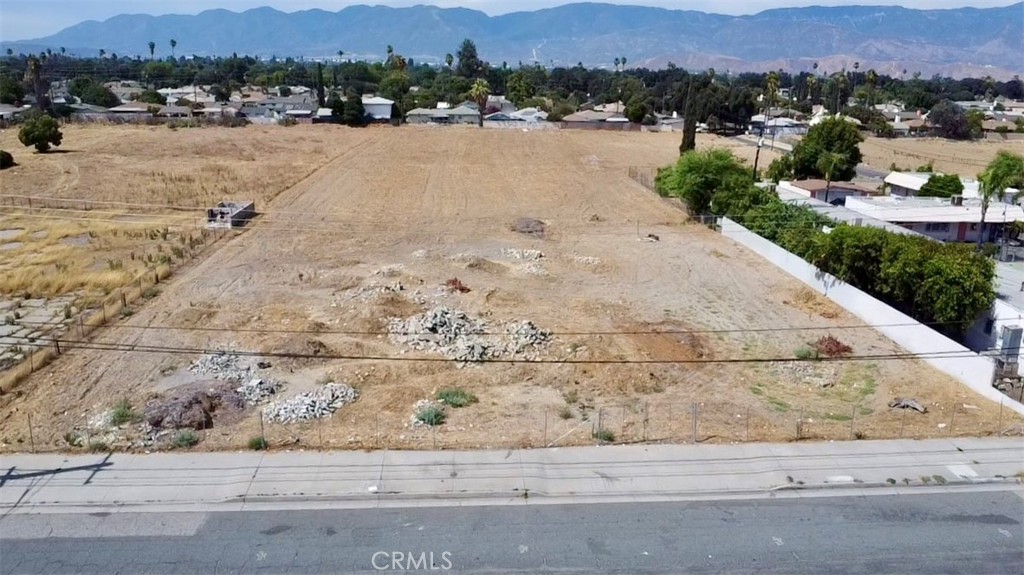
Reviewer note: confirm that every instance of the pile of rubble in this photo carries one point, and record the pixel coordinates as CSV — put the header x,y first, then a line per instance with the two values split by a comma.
x,y
257,391
322,402
454,334
587,260
223,366
517,254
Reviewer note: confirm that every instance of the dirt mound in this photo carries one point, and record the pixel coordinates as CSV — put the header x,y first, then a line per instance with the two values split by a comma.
x,y
530,227
194,406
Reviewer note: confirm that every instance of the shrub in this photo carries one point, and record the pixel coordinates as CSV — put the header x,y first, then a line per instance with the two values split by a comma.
x,y
184,439
258,443
572,396
123,413
829,346
73,439
99,446
456,397
432,415
6,160
604,435
565,412
804,353
40,132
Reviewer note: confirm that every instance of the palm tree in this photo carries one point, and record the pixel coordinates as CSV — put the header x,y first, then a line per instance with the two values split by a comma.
x,y
63,50
10,52
102,52
829,163
812,83
152,49
616,64
174,44
771,89
1005,171
341,54
623,60
479,93
872,81
449,60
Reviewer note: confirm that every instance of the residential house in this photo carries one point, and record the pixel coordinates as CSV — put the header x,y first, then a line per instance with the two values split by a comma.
x,y
133,109
945,219
612,108
530,115
500,104
171,111
909,184
459,115
9,112
378,108
834,193
585,116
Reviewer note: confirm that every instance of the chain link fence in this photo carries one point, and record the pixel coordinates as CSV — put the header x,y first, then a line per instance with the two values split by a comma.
x,y
641,422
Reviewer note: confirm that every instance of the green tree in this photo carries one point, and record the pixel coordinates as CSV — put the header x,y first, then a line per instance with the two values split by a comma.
x,y
950,121
699,174
174,44
449,60
41,132
832,135
11,91
152,97
6,160
479,93
830,164
781,169
636,109
519,88
942,186
470,65
152,49
99,95
355,114
1005,171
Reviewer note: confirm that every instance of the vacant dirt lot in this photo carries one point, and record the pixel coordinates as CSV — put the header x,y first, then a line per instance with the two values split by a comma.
x,y
966,159
645,333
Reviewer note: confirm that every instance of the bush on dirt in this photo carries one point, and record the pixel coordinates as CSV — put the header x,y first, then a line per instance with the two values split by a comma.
x,y
431,415
456,397
184,439
6,160
258,443
604,435
123,413
829,346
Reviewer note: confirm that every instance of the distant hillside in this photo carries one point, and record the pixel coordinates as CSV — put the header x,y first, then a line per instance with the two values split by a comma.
x,y
965,41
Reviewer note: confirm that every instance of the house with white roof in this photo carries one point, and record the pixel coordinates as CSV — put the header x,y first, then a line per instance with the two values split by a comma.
x,y
378,108
954,219
909,184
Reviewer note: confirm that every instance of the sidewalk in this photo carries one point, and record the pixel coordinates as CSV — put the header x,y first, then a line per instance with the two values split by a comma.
x,y
231,481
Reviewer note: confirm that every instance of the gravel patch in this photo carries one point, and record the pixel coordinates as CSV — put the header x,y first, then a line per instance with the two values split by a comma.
x,y
322,402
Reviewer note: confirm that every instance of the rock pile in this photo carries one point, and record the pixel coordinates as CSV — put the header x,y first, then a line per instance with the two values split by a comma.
x,y
454,334
517,254
257,391
222,366
322,402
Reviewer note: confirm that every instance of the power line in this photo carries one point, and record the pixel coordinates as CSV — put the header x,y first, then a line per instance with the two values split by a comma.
x,y
554,333
136,348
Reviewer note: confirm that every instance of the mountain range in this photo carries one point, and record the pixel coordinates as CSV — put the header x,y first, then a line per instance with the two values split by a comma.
x,y
957,42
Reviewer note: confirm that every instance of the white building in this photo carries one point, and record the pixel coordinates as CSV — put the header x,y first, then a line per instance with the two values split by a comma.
x,y
909,184
378,108
943,219
834,193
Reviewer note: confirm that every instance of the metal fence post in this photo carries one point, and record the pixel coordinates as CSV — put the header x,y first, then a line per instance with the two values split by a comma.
x,y
799,423
31,434
952,416
693,417
903,421
746,433
853,417
645,422
999,422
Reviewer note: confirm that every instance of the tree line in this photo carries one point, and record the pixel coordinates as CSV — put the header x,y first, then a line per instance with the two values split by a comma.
x,y
718,98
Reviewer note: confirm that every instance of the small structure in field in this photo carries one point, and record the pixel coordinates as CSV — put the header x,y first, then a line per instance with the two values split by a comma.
x,y
230,214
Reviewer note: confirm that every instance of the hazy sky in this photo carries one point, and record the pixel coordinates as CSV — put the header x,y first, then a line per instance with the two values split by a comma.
x,y
24,19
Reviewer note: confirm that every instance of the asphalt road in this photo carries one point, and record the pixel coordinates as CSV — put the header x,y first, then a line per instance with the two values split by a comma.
x,y
977,532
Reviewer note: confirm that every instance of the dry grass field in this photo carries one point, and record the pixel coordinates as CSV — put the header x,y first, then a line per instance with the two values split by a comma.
x,y
645,332
966,159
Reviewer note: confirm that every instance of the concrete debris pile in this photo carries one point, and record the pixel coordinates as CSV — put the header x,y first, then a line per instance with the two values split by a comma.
x,y
518,254
257,391
906,403
390,271
531,227
587,260
455,335
532,269
223,366
373,290
322,402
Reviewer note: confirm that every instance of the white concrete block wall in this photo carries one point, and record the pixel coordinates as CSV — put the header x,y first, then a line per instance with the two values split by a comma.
x,y
967,367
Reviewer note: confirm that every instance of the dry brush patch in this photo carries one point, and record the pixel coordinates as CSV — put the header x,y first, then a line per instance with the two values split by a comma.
x,y
965,159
